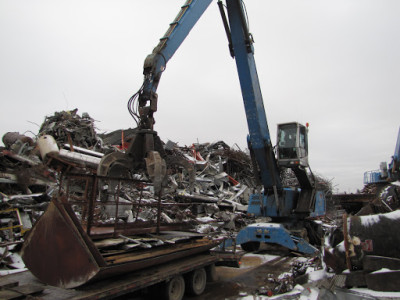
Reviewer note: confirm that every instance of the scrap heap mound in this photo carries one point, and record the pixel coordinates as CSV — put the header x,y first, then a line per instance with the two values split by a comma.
x,y
69,127
206,193
386,197
207,189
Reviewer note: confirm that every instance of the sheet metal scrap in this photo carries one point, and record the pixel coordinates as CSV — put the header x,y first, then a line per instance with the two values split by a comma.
x,y
217,173
207,192
100,234
209,181
24,186
73,259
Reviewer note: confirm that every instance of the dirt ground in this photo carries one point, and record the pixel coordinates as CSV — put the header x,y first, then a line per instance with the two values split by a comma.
x,y
253,274
235,283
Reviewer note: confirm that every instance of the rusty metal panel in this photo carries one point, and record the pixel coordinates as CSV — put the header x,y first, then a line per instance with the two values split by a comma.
x,y
55,252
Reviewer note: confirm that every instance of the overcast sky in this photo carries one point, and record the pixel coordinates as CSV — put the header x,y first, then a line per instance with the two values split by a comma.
x,y
334,64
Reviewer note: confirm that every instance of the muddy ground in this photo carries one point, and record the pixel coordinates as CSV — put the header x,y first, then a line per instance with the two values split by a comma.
x,y
257,273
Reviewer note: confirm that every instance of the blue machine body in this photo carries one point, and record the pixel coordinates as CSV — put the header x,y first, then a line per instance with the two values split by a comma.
x,y
275,201
274,233
268,207
319,206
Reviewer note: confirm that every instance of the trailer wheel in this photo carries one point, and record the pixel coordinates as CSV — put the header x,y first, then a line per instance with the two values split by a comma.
x,y
175,288
196,282
250,246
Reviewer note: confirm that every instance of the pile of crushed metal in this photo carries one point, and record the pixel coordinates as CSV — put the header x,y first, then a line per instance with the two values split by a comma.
x,y
210,200
207,193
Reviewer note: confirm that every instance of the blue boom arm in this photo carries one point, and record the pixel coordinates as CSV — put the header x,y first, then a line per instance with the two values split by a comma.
x,y
394,166
259,137
240,43
155,63
275,201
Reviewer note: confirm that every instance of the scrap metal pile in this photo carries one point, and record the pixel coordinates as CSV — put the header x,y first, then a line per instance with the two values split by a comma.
x,y
204,199
207,190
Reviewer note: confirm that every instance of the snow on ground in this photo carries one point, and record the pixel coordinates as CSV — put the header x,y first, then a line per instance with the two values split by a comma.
x,y
379,294
309,294
316,275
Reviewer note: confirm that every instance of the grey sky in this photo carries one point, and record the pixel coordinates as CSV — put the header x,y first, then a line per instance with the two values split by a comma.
x,y
334,64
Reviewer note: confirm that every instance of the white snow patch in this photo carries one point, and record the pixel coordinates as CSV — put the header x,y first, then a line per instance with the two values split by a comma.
x,y
384,270
340,247
8,272
17,261
327,242
316,275
310,293
381,295
271,225
302,259
369,220
284,275
394,215
206,220
329,225
205,228
373,219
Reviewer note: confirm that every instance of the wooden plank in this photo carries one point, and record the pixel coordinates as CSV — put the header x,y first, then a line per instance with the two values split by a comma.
x,y
10,295
28,289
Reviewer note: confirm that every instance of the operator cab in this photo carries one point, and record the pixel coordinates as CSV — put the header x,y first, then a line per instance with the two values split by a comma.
x,y
292,147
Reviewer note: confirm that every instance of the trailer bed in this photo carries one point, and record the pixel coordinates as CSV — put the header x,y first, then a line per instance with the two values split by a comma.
x,y
14,286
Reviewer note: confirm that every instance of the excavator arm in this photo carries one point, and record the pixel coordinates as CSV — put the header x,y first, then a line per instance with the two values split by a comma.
x,y
259,139
394,166
156,62
145,151
143,104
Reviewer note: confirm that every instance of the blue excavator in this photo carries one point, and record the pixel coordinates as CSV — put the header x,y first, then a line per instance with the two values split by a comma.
x,y
384,183
386,173
285,209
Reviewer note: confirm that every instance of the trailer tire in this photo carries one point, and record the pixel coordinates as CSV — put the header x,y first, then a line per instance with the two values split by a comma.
x,y
196,282
250,246
174,288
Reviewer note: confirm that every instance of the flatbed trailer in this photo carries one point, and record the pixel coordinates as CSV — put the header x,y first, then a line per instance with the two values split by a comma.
x,y
24,285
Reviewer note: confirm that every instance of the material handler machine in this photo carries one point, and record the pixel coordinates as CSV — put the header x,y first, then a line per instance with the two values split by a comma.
x,y
386,173
385,181
71,251
288,208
